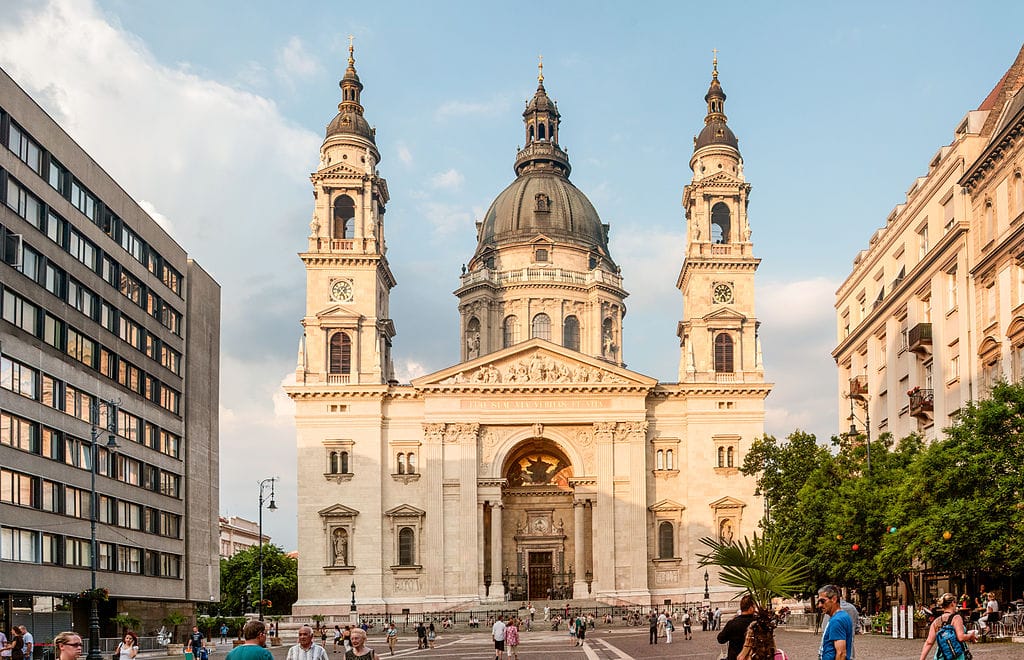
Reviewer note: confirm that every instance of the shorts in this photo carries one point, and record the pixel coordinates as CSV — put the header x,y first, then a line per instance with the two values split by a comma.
x,y
499,645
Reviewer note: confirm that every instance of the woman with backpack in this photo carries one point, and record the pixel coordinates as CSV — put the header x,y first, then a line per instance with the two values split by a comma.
x,y
948,633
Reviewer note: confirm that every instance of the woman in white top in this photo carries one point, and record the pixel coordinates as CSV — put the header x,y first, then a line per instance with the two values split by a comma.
x,y
128,648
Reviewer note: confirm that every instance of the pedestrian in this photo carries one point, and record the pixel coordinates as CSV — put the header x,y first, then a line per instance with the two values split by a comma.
x,y
581,630
652,621
735,630
323,634
346,639
512,638
359,650
668,629
421,635
661,624
128,647
948,630
196,642
392,635
68,645
851,610
337,637
431,634
27,642
306,649
4,651
837,640
570,625
687,625
718,619
16,645
254,647
533,612
498,633
547,612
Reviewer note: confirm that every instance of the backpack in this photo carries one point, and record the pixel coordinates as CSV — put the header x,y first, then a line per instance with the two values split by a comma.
x,y
945,638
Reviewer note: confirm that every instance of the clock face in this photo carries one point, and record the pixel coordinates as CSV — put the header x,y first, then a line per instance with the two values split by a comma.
x,y
723,293
341,290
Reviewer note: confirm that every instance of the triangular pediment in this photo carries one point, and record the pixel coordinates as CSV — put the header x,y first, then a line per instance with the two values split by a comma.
x,y
535,363
404,511
336,311
340,170
337,511
719,179
728,503
725,314
666,505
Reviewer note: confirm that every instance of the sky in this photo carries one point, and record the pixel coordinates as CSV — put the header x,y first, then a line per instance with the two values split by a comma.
x,y
211,115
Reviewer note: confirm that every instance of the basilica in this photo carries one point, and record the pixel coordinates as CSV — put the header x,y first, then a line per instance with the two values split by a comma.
x,y
538,467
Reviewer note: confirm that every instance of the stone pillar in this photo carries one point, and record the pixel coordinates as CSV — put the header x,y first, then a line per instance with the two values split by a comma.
x,y
579,586
482,588
497,587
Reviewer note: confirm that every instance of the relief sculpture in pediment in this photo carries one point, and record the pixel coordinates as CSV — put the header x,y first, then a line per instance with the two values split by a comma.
x,y
537,368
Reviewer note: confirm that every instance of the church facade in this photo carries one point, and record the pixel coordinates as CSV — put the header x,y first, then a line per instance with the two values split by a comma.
x,y
538,467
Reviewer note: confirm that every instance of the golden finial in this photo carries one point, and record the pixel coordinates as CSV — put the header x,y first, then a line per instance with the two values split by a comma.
x,y
540,68
714,63
351,49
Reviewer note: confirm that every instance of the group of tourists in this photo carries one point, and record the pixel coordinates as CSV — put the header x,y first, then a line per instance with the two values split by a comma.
x,y
19,646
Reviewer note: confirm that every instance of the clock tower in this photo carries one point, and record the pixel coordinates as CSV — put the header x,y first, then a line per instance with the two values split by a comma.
x,y
347,327
718,335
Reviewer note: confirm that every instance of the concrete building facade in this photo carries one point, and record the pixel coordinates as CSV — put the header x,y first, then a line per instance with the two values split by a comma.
x,y
107,330
933,312
538,466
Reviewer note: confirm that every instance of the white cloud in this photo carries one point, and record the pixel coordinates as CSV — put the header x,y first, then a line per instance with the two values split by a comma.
x,y
404,155
495,106
450,179
160,218
447,219
406,370
293,61
650,259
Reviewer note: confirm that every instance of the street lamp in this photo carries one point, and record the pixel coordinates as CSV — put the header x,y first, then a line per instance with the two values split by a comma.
x,y
867,424
353,608
264,486
94,613
707,594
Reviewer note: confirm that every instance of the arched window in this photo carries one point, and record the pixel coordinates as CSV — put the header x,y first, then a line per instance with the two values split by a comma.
x,y
335,462
729,454
541,326
721,457
720,223
531,133
670,463
571,333
510,331
540,132
666,540
344,212
401,463
341,354
406,547
344,463
659,461
410,463
723,353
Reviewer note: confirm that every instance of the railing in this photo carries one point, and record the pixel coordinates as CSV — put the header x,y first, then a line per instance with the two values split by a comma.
x,y
516,586
339,379
920,337
525,275
859,387
725,377
922,402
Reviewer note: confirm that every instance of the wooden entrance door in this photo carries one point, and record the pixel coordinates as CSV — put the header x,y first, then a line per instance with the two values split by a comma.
x,y
539,587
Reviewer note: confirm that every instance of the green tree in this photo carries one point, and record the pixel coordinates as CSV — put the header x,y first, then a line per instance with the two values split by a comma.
x,y
280,581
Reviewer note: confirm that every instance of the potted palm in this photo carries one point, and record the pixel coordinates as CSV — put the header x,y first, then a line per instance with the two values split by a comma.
x,y
174,619
766,568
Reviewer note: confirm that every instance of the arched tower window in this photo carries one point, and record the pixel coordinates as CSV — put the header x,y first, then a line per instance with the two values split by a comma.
x,y
666,540
721,457
401,463
670,463
571,333
540,132
720,223
723,353
541,326
659,460
531,133
406,547
341,354
344,463
510,331
344,214
729,456
410,463
335,464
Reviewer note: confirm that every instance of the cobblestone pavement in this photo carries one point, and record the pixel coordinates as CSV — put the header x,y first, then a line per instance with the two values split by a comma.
x,y
626,643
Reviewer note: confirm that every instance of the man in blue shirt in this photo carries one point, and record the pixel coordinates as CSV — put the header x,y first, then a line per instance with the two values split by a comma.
x,y
837,640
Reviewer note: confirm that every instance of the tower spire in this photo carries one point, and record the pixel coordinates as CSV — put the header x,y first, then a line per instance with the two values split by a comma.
x,y
716,130
540,70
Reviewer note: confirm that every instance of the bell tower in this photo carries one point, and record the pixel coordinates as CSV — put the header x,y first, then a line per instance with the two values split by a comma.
x,y
718,335
347,327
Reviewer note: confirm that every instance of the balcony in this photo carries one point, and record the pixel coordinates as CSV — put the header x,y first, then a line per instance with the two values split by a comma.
x,y
339,379
859,388
538,275
920,338
922,403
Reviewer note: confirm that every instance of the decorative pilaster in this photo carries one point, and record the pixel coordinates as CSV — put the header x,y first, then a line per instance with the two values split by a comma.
x,y
604,515
497,586
579,586
481,585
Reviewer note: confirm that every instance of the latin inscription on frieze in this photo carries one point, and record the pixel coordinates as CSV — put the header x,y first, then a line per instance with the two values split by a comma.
x,y
527,404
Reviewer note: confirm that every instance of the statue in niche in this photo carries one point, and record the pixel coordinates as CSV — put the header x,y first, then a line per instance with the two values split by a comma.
x,y
726,532
340,548
472,344
560,527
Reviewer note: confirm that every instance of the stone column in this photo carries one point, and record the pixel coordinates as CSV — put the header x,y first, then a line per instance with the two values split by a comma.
x,y
482,588
579,586
497,588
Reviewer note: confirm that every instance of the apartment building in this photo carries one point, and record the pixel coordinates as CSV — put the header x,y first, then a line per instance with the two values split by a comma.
x,y
109,334
932,313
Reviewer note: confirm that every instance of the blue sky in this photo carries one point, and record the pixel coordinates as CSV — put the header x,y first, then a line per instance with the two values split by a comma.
x,y
211,115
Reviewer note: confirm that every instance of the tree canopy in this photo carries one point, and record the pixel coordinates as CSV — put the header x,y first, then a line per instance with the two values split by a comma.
x,y
280,582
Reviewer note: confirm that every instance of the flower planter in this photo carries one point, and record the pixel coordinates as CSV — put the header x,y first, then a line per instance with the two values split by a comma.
x,y
175,649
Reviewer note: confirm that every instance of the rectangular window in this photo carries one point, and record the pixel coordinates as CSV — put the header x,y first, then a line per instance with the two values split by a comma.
x,y
49,548
948,217
171,359
129,515
77,553
172,279
20,312
18,378
76,502
105,513
170,483
130,288
922,241
50,444
131,332
170,565
18,489
170,319
150,477
129,560
24,203
170,444
25,148
990,302
55,227
169,399
57,176
170,525
129,470
51,491
106,556
19,545
18,433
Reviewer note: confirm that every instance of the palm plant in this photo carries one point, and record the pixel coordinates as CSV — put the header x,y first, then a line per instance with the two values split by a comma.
x,y
766,568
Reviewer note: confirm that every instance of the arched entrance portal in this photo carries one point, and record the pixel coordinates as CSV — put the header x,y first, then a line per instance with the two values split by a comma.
x,y
538,520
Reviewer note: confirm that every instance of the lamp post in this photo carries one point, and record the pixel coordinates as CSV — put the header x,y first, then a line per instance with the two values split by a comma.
x,y
94,613
266,484
353,607
707,594
867,424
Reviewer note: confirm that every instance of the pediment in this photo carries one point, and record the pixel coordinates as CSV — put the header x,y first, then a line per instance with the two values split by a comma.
x,y
988,345
541,238
337,511
535,363
1016,326
340,170
405,511
719,179
666,505
728,503
725,314
336,311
